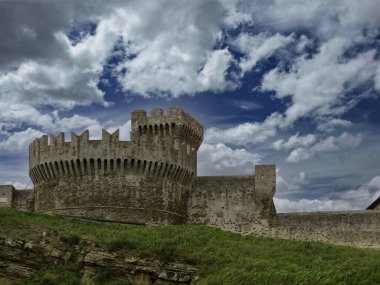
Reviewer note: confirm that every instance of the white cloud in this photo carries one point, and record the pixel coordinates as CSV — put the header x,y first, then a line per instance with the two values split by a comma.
x,y
189,63
74,122
46,67
302,176
365,194
345,141
20,113
6,127
298,154
220,159
330,125
124,130
303,43
324,19
311,205
258,47
283,186
20,140
294,141
356,199
317,86
213,74
17,185
246,133
68,80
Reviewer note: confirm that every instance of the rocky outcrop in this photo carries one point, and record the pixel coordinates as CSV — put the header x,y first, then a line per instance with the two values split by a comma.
x,y
21,259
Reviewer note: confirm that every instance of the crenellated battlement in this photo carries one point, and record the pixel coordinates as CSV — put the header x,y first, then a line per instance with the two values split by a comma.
x,y
177,124
41,150
152,172
161,146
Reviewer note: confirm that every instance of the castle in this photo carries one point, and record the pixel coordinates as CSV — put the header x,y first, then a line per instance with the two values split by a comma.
x,y
152,179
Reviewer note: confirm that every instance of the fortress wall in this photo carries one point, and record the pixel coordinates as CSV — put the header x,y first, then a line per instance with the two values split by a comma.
x,y
145,180
172,139
131,198
23,200
354,228
237,203
224,201
175,136
102,166
6,196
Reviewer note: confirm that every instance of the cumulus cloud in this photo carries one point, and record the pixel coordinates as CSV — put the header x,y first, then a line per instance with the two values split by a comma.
x,y
74,122
283,186
311,205
18,113
20,140
294,141
220,159
68,80
355,199
189,64
330,125
324,19
345,141
258,47
246,133
365,194
318,86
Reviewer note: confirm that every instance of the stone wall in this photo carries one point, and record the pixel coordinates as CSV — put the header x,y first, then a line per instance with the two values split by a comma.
x,y
137,199
6,196
236,203
354,228
145,180
23,200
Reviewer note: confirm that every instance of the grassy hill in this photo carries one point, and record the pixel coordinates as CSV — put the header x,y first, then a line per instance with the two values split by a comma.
x,y
222,257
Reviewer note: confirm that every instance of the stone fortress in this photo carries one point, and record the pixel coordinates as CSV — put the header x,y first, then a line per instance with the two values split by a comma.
x,y
152,179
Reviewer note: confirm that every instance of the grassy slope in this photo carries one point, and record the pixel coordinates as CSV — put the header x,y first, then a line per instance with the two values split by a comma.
x,y
223,257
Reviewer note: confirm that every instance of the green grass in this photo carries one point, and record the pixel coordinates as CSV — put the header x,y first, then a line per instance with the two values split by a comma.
x,y
222,257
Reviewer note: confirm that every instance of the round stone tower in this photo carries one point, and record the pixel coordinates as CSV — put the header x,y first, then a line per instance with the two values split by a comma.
x,y
144,181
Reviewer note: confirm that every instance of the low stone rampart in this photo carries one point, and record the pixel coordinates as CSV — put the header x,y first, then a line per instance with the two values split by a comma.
x,y
235,203
23,199
354,228
227,202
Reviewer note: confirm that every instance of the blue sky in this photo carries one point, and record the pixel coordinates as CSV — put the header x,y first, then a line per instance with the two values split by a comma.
x,y
295,83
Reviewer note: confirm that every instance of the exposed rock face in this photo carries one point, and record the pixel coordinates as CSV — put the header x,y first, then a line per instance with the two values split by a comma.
x,y
21,259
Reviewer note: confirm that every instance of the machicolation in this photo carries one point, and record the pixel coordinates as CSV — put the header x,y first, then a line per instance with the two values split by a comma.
x,y
144,180
152,179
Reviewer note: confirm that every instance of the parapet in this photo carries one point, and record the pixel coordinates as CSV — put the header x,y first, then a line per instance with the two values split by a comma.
x,y
159,143
41,150
187,128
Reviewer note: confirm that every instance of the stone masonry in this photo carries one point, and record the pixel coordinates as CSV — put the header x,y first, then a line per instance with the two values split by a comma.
x,y
152,179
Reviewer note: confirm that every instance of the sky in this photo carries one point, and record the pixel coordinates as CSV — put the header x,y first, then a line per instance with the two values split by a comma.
x,y
294,83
